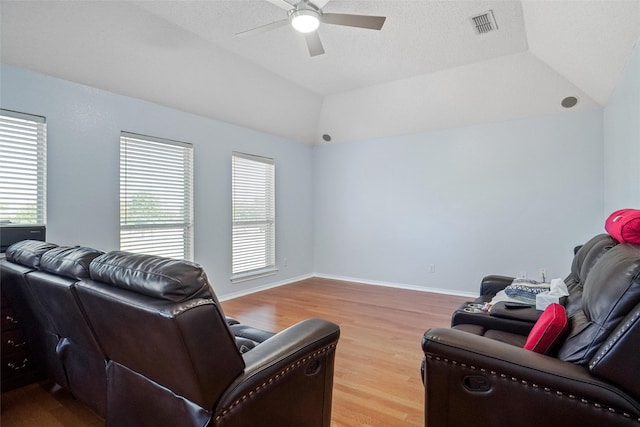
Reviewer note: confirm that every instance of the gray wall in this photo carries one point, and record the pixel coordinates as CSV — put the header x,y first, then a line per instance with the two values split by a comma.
x,y
84,125
505,198
622,140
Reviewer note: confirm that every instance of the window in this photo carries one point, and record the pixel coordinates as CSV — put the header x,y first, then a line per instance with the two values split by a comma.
x,y
156,193
253,211
23,174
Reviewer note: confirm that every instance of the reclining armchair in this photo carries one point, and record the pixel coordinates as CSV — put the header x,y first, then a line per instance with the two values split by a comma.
x,y
480,374
173,360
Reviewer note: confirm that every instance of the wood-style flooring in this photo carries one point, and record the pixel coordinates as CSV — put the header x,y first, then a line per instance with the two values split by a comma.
x,y
377,376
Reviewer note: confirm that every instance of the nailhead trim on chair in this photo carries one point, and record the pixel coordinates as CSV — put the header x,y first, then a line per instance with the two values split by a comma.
x,y
603,351
273,379
193,304
533,385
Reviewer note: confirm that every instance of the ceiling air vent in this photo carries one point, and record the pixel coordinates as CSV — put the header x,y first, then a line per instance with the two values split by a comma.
x,y
484,23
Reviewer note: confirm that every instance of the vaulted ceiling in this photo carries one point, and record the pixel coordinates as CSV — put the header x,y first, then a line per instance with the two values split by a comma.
x,y
426,69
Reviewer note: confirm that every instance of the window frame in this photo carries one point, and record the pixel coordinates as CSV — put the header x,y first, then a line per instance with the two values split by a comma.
x,y
14,127
265,218
137,172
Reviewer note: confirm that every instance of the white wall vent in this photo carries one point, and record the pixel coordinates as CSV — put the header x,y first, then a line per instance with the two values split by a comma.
x,y
484,23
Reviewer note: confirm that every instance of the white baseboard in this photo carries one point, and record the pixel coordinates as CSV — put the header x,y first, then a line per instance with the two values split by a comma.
x,y
264,287
397,285
346,279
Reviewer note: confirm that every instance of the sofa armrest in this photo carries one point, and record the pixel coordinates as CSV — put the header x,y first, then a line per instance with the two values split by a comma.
x,y
488,321
288,377
492,284
468,379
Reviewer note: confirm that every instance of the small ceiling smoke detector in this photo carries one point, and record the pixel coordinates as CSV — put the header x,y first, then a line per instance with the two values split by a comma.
x,y
569,102
484,23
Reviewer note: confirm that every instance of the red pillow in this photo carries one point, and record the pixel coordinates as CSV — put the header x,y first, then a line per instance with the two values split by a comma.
x,y
624,225
548,330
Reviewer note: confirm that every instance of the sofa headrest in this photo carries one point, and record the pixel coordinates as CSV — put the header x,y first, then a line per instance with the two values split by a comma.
x,y
612,288
589,254
72,262
28,252
610,292
166,278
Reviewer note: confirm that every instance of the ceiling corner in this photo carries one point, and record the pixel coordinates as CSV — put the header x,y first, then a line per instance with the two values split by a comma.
x,y
570,40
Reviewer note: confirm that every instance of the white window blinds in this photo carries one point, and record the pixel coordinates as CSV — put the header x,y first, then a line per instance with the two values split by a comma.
x,y
253,211
156,196
23,174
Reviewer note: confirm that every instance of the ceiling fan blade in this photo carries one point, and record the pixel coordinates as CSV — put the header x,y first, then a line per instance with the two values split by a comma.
x,y
282,4
319,3
313,43
360,21
263,28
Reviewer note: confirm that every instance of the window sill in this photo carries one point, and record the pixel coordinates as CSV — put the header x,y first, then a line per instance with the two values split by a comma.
x,y
243,277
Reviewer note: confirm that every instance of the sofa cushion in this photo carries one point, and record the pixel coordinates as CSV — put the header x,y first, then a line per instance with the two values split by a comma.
x,y
624,225
28,252
584,260
165,278
71,262
248,337
548,330
589,254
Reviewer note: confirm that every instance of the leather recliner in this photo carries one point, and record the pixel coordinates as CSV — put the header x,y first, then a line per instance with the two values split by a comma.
x,y
169,354
77,348
522,320
483,379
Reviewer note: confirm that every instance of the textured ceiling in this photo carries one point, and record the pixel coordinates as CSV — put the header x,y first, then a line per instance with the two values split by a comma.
x,y
418,37
426,69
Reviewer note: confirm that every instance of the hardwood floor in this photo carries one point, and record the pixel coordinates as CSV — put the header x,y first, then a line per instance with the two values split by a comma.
x,y
45,406
377,377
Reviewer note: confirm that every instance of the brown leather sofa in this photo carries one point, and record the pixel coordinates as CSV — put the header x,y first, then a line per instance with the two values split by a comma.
x,y
520,321
478,374
143,341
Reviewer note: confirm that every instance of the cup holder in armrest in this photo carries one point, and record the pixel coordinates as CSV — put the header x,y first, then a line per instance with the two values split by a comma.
x,y
472,307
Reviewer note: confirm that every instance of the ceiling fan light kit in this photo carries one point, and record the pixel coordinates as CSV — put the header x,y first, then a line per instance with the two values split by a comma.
x,y
306,17
304,20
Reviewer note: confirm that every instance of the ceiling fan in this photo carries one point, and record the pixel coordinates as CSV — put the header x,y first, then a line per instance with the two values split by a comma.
x,y
306,16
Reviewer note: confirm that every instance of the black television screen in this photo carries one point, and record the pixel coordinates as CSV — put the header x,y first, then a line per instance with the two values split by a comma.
x,y
12,234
